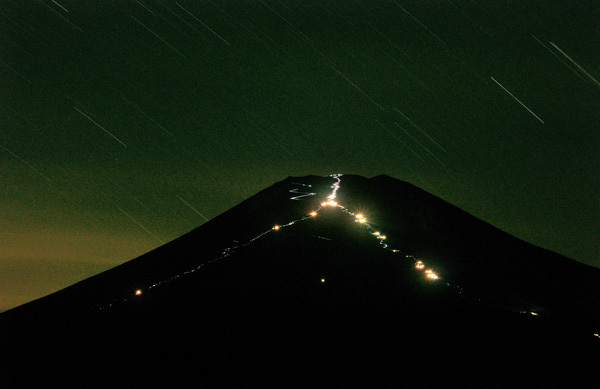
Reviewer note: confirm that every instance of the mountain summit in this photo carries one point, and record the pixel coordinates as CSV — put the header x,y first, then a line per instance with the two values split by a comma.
x,y
320,282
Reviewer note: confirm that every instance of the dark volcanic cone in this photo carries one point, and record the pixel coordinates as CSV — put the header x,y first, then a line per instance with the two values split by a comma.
x,y
268,294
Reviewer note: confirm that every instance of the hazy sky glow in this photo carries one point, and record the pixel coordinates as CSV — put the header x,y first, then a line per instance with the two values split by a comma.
x,y
125,124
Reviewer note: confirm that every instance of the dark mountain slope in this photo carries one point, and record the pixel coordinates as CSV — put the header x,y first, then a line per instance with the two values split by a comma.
x,y
487,262
319,302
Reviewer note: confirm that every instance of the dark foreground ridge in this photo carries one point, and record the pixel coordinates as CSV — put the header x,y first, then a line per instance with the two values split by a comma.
x,y
337,281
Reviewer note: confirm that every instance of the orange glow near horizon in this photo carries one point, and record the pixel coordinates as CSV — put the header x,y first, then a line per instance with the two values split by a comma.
x,y
276,227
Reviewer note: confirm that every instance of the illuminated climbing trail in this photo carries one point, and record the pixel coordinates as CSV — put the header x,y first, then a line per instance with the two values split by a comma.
x,y
301,194
329,201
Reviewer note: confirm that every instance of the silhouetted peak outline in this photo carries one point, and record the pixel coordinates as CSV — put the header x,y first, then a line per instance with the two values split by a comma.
x,y
321,282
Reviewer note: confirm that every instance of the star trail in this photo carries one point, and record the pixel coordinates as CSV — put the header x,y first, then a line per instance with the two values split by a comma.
x,y
127,124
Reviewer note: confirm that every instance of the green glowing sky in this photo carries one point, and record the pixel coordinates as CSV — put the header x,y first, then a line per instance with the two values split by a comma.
x,y
124,124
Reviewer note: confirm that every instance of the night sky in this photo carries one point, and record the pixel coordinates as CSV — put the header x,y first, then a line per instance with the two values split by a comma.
x,y
125,124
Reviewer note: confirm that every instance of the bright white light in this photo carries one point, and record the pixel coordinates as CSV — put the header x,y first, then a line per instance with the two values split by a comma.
x,y
322,280
313,213
376,233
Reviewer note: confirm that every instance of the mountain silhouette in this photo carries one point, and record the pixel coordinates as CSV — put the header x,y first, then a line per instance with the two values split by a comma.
x,y
338,281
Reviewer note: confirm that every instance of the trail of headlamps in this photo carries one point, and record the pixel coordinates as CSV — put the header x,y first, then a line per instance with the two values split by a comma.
x,y
329,201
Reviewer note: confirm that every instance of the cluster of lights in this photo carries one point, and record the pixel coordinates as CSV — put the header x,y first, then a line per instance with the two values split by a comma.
x,y
379,236
329,203
430,274
360,218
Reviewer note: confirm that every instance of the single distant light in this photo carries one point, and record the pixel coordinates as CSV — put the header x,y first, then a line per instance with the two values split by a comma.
x,y
313,213
534,313
360,216
419,265
138,292
597,335
382,237
376,233
276,227
395,251
322,280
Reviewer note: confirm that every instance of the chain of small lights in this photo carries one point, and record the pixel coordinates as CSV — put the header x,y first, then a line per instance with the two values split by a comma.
x,y
330,202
